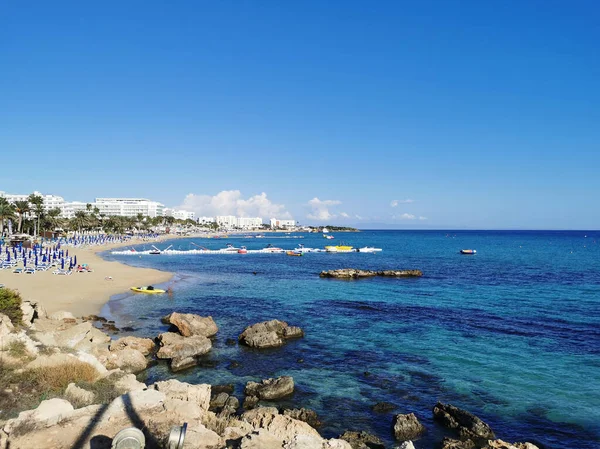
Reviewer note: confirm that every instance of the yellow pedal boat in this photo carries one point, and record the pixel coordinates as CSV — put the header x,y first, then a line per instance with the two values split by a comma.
x,y
148,289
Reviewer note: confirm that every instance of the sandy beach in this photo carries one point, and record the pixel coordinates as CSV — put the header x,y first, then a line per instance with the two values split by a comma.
x,y
84,293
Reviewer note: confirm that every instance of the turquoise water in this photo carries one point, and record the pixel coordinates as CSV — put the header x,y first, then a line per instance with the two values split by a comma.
x,y
511,334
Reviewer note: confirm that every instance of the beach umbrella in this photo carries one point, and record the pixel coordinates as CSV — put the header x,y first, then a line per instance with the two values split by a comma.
x,y
8,257
44,258
25,261
53,256
36,260
75,263
62,264
67,253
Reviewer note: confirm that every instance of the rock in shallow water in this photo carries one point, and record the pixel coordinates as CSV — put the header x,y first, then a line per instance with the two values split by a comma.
x,y
270,389
354,273
362,440
269,334
303,414
466,424
182,350
190,324
407,427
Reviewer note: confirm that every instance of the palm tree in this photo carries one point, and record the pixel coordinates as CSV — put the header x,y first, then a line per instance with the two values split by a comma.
x,y
7,212
80,220
88,207
21,208
38,208
53,219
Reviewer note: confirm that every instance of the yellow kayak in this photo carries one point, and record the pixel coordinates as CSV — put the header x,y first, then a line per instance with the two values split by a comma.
x,y
146,290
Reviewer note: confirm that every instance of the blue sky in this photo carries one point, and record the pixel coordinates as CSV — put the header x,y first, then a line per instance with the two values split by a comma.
x,y
483,114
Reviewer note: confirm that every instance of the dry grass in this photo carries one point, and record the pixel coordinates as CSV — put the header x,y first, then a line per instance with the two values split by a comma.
x,y
103,389
25,390
17,349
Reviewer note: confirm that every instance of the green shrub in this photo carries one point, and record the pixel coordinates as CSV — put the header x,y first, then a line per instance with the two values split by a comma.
x,y
10,305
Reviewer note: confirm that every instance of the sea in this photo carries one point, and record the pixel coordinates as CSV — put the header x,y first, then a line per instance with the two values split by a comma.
x,y
511,334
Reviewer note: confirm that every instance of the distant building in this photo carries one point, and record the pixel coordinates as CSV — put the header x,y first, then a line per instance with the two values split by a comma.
x,y
282,224
124,207
179,214
233,222
205,220
129,207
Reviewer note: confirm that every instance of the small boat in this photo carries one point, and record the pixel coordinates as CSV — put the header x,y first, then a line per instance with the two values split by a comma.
x,y
325,230
242,250
293,253
230,247
273,249
369,249
468,251
328,237
148,289
338,249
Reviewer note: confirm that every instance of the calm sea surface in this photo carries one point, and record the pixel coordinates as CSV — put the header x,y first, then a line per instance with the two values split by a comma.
x,y
511,334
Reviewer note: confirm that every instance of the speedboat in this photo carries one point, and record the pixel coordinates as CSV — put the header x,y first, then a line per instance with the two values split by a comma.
x,y
470,252
369,249
230,247
328,237
338,249
293,253
242,250
273,249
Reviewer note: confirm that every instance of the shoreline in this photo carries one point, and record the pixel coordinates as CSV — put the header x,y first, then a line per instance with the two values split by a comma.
x,y
85,293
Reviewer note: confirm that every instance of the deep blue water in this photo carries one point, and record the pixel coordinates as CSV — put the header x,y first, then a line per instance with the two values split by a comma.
x,y
511,334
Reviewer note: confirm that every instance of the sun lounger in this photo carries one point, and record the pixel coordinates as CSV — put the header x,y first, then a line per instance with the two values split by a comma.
x,y
62,272
18,270
29,271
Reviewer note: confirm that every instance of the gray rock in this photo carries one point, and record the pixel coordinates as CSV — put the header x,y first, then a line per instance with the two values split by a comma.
x,y
61,315
382,407
449,443
79,396
128,360
303,414
362,440
466,424
270,389
6,326
406,445
144,345
174,346
174,389
354,273
70,337
250,402
407,427
219,401
190,324
269,334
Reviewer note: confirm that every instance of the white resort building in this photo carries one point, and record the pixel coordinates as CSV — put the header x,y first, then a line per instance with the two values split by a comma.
x,y
233,222
282,224
179,214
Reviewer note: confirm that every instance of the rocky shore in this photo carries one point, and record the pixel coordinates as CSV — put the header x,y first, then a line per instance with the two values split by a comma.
x,y
355,273
91,392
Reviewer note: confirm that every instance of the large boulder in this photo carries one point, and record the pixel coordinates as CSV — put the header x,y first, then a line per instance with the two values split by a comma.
x,y
69,338
124,382
190,324
303,414
32,311
174,389
6,326
407,427
144,345
61,315
362,440
128,360
48,413
270,389
79,396
466,424
269,334
182,351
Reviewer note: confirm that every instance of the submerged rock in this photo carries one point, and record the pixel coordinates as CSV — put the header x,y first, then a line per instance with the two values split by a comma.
x,y
270,389
269,334
382,407
407,427
354,273
466,424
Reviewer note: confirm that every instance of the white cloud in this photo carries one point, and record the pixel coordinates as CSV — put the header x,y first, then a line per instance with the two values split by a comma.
x,y
407,217
395,203
344,214
320,209
422,218
358,217
230,202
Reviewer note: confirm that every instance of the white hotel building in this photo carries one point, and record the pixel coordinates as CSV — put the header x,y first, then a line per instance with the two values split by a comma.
x,y
282,224
179,214
124,207
233,222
